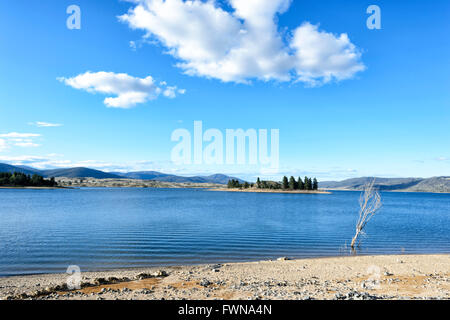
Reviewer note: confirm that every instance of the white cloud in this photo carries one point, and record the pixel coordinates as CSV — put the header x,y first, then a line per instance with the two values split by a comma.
x,y
321,55
45,124
21,160
171,92
26,144
244,44
53,161
13,135
128,90
24,140
3,145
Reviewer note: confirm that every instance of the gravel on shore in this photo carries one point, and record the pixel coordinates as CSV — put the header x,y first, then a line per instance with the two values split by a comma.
x,y
341,278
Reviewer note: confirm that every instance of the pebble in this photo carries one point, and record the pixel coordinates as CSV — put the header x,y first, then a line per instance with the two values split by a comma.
x,y
205,283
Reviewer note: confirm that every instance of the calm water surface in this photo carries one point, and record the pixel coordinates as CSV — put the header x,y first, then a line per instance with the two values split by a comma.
x,y
44,231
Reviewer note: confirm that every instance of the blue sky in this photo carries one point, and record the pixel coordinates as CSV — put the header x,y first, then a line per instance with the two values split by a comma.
x,y
383,112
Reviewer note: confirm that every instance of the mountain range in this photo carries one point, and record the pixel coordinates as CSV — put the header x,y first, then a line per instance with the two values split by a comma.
x,y
434,184
141,175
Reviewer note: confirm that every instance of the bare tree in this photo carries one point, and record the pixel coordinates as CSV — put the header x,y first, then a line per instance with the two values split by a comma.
x,y
369,202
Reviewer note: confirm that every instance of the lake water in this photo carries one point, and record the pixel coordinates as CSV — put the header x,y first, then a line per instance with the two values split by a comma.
x,y
43,231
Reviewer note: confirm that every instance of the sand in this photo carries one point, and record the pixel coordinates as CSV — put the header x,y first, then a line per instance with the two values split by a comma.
x,y
351,277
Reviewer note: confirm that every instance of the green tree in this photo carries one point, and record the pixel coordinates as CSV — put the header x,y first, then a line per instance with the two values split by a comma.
x,y
292,183
300,184
307,184
18,179
258,183
315,184
37,180
285,183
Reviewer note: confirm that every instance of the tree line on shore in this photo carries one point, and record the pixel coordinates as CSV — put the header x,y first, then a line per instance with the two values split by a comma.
x,y
285,184
18,179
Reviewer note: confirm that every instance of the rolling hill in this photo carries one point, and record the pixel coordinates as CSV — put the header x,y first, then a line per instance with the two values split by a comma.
x,y
79,173
11,169
158,176
434,184
141,175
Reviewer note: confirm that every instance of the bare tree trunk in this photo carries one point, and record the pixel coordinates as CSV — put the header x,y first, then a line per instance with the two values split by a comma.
x,y
355,237
369,202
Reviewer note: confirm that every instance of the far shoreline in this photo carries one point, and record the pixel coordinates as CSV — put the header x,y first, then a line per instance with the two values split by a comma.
x,y
392,191
270,191
36,188
208,187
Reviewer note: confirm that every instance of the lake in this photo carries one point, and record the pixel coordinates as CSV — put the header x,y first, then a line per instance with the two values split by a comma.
x,y
45,231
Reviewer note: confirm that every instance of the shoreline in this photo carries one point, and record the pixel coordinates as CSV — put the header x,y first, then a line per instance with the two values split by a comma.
x,y
151,184
37,188
396,277
271,191
394,191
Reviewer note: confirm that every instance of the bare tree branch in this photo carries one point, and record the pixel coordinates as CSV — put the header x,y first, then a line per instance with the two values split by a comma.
x,y
369,202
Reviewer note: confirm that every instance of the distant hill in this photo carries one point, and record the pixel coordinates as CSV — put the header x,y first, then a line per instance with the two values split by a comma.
x,y
141,175
158,176
11,169
30,169
435,184
68,172
221,178
79,173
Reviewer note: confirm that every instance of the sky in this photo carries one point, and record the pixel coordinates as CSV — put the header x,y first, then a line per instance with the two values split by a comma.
x,y
347,100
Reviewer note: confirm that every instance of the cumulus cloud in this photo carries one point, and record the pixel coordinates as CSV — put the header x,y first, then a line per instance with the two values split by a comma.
x,y
45,124
127,90
244,44
321,55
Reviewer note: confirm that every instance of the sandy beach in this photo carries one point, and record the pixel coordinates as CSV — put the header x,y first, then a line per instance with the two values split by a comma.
x,y
355,277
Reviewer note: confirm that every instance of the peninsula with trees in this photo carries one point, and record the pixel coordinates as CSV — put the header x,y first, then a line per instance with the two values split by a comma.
x,y
22,180
286,185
